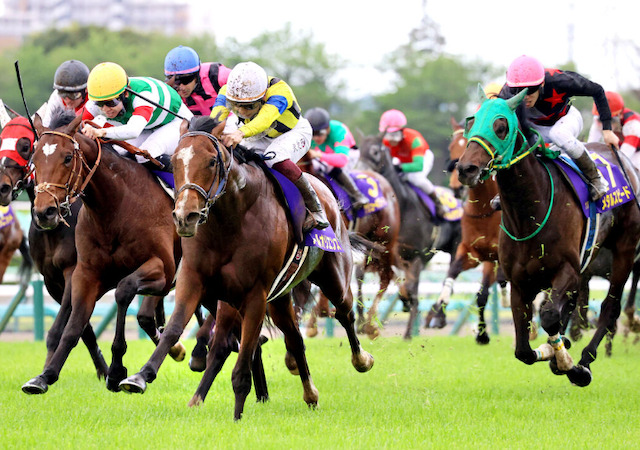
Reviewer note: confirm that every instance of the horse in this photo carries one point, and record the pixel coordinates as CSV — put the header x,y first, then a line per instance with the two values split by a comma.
x,y
480,224
382,227
543,230
125,239
419,238
236,241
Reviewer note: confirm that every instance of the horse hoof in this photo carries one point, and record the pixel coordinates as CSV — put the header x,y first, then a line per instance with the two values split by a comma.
x,y
362,362
553,365
178,352
35,385
135,384
196,400
579,376
482,338
371,331
197,364
312,332
438,322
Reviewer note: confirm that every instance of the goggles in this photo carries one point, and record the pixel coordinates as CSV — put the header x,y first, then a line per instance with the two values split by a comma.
x,y
322,132
70,95
184,79
112,103
530,89
248,106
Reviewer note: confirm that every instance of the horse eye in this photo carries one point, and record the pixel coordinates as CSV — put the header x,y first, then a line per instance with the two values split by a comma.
x,y
501,130
68,158
213,162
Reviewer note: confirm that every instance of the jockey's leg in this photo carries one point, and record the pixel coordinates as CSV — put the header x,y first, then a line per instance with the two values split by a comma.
x,y
358,199
420,179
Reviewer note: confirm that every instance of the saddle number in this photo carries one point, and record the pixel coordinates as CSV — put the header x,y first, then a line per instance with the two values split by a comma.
x,y
597,158
373,190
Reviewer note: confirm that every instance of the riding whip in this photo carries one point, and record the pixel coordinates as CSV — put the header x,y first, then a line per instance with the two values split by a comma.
x,y
128,89
23,99
624,172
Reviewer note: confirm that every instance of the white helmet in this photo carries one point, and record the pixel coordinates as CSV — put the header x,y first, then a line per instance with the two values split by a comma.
x,y
247,82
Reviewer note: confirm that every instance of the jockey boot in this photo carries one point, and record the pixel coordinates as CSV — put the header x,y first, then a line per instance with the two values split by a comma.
x,y
358,199
598,186
316,217
439,206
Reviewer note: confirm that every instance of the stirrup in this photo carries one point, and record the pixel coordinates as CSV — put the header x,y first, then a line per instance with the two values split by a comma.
x,y
311,221
598,187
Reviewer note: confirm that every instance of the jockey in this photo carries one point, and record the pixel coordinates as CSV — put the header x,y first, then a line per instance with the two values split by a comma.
x,y
410,152
550,111
333,144
129,118
70,90
197,83
624,118
269,121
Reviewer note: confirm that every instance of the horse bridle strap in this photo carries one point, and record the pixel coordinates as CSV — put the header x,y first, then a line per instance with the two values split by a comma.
x,y
72,193
222,176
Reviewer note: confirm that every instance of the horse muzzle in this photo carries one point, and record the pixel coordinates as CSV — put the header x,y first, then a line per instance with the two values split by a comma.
x,y
48,217
468,174
186,224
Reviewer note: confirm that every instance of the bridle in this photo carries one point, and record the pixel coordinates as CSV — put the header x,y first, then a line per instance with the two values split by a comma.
x,y
72,189
26,170
222,177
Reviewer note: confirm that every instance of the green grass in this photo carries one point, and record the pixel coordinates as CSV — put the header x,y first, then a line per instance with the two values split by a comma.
x,y
438,392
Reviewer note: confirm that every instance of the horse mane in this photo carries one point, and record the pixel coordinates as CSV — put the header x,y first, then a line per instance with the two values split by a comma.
x,y
525,124
202,123
61,117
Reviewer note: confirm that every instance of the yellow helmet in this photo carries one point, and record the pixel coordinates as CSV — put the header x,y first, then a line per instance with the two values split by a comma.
x,y
492,90
107,80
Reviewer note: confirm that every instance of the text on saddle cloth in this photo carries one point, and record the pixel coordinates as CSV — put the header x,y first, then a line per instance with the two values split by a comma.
x,y
619,191
7,216
365,184
452,205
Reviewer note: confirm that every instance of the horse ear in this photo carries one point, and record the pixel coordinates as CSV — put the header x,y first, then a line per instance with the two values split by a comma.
x,y
481,95
184,127
514,101
72,128
454,124
37,123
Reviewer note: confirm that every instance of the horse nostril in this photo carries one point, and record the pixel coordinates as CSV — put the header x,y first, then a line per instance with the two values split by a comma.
x,y
51,212
192,218
5,189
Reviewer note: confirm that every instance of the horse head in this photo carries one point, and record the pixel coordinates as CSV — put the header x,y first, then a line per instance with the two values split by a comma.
x,y
456,149
374,155
201,167
492,134
16,147
61,171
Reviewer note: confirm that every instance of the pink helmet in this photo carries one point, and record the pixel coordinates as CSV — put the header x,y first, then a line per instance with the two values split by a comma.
x,y
392,120
525,71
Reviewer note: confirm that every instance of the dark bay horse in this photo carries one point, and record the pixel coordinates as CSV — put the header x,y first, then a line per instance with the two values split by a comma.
x,y
419,238
544,229
382,227
480,224
124,238
236,240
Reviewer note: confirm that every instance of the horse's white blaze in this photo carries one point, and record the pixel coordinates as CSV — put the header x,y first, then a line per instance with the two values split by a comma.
x,y
49,149
185,155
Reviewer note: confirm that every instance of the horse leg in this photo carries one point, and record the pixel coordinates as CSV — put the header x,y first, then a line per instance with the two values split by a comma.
x,y
83,301
283,317
189,292
198,361
505,302
633,321
371,327
360,321
579,320
488,278
5,258
410,290
522,312
254,313
312,323
151,318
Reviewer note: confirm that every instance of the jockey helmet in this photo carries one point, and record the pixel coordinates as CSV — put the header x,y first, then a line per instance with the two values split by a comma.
x,y
71,76
247,82
318,118
616,104
181,60
392,120
525,71
492,90
106,81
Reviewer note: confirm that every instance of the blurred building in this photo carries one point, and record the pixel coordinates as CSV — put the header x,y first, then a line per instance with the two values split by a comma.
x,y
19,18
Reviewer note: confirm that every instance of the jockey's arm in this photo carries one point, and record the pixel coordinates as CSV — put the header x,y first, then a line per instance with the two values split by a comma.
x,y
414,166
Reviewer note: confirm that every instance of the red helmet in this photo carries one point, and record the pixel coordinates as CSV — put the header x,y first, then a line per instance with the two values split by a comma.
x,y
616,104
525,71
392,120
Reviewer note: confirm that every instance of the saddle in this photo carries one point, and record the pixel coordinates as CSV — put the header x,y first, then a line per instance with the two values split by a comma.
x,y
368,186
452,205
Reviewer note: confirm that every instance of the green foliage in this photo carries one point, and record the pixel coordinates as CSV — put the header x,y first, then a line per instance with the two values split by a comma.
x,y
432,392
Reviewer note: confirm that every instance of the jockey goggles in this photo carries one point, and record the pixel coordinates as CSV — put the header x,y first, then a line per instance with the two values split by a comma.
x,y
248,106
70,95
111,103
322,132
184,79
531,89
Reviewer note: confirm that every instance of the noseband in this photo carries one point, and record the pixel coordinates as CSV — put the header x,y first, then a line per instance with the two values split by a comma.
x,y
72,192
222,175
27,170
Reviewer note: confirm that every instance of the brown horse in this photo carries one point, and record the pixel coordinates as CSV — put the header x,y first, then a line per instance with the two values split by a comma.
x,y
420,237
236,241
125,238
479,245
382,227
544,228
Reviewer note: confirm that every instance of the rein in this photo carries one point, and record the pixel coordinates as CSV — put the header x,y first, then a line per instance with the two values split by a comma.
x,y
79,163
222,175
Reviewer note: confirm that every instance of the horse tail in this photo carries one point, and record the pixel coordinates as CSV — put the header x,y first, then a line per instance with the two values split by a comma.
x,y
26,267
362,245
